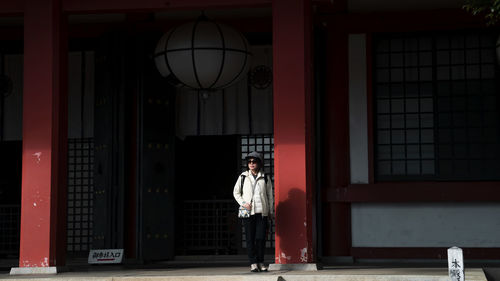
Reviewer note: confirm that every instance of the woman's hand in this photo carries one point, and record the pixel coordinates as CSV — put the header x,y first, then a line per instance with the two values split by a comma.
x,y
247,206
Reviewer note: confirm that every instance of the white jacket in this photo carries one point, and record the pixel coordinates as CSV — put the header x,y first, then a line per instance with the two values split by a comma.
x,y
245,196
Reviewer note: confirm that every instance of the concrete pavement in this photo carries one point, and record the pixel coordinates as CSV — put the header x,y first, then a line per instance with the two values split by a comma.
x,y
226,273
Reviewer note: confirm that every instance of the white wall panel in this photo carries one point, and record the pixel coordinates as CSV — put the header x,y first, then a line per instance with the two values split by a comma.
x,y
358,121
425,225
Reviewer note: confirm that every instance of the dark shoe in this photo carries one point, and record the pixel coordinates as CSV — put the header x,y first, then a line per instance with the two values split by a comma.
x,y
254,267
262,267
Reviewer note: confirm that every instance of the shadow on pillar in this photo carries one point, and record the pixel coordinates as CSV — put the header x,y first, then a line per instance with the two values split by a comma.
x,y
292,229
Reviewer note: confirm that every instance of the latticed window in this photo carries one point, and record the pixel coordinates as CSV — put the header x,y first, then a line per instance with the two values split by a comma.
x,y
80,195
10,216
436,107
260,143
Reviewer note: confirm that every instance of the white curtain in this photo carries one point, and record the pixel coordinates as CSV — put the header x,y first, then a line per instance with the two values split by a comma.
x,y
13,102
239,109
81,88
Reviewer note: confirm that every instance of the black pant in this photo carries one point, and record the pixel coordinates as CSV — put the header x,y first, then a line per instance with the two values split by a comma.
x,y
255,232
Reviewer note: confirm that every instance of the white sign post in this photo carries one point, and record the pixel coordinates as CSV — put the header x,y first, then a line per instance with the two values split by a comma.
x,y
456,264
105,256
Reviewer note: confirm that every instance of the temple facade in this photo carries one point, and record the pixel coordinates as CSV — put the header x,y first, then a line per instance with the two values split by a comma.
x,y
378,121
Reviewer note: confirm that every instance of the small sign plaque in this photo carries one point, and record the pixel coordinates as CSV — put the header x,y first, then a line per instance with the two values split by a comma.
x,y
106,256
456,264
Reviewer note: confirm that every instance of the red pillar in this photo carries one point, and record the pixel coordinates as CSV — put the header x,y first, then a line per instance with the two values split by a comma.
x,y
43,205
292,64
336,216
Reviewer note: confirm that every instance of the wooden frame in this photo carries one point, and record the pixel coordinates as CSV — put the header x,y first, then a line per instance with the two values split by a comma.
x,y
421,253
416,192
401,192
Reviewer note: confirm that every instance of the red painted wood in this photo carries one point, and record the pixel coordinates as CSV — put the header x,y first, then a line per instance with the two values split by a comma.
x,y
90,30
102,6
330,7
336,229
11,33
405,21
422,253
416,192
16,7
336,223
44,136
11,8
292,61
61,125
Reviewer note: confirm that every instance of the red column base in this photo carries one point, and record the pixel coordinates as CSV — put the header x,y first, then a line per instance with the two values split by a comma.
x,y
295,266
36,270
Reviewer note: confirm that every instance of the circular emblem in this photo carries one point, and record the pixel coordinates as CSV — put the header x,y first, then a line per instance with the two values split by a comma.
x,y
261,77
5,85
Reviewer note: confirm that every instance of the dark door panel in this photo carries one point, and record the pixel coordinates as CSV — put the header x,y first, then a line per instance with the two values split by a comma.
x,y
109,168
156,136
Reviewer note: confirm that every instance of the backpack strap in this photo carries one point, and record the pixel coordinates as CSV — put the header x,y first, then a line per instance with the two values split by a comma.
x,y
242,182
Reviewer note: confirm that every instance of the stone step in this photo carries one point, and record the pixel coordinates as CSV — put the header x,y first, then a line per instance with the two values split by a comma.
x,y
243,274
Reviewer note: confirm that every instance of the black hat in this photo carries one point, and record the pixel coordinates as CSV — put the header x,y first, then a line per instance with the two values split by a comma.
x,y
256,155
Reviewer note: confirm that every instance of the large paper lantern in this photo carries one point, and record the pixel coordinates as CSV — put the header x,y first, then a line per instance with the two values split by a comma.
x,y
203,55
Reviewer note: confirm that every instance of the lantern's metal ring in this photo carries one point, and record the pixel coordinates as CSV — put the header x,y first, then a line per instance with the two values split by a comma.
x,y
223,55
242,67
202,48
166,60
246,52
192,51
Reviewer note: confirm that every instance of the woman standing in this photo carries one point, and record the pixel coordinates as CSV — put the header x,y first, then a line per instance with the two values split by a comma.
x,y
254,191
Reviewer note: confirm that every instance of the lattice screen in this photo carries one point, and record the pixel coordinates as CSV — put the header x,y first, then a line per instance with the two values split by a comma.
x,y
209,227
9,226
80,194
436,106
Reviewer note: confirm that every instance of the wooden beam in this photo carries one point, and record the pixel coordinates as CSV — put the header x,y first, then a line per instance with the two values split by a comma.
x,y
91,30
403,21
11,8
416,192
106,6
16,7
11,33
337,215
421,252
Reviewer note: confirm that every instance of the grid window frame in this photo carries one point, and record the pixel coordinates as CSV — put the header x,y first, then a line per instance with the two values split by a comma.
x,y
415,148
10,217
209,227
80,195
